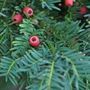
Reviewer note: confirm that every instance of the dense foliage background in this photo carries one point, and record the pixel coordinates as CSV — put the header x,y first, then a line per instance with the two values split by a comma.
x,y
61,61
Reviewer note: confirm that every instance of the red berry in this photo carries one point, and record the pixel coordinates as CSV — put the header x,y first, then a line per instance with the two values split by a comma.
x,y
17,18
83,10
34,41
28,11
69,3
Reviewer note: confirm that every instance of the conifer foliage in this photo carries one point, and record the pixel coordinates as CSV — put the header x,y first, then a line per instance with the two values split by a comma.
x,y
44,45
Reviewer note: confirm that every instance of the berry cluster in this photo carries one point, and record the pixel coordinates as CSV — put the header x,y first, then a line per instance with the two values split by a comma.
x,y
18,18
83,9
